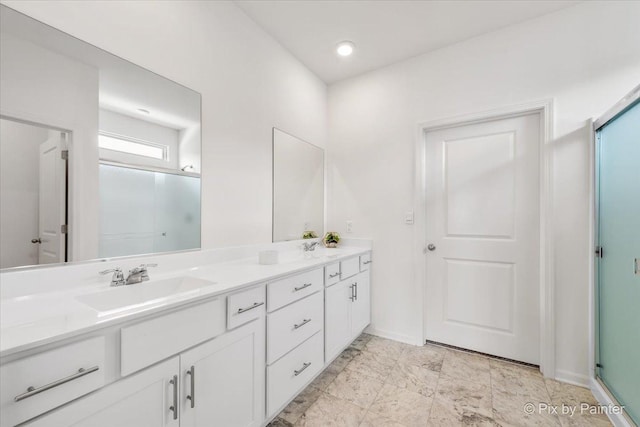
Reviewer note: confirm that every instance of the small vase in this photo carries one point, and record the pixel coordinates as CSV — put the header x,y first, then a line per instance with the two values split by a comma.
x,y
331,239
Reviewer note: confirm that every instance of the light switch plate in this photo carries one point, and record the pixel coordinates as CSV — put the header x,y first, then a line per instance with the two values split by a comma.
x,y
408,218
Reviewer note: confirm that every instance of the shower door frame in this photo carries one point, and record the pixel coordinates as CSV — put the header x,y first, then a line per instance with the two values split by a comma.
x,y
600,391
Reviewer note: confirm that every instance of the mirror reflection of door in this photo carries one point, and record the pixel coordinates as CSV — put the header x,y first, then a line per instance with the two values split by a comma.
x,y
33,185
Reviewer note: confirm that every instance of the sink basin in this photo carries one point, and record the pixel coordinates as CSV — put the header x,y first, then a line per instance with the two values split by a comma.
x,y
143,294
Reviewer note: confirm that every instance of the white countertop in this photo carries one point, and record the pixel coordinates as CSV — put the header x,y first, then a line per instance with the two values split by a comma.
x,y
28,321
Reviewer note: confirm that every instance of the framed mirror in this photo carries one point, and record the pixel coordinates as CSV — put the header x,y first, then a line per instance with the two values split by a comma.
x,y
298,187
99,157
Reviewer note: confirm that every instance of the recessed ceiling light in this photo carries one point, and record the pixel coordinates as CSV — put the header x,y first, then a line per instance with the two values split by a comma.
x,y
143,111
345,48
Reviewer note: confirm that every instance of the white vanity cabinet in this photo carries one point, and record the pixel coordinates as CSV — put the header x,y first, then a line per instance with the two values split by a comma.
x,y
223,380
295,345
140,400
347,308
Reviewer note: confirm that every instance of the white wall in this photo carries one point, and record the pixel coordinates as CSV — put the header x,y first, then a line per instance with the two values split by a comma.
x,y
44,87
585,58
248,82
19,183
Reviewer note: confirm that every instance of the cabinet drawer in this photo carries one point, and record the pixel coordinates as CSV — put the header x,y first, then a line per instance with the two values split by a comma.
x,y
55,377
153,340
293,288
349,267
245,306
290,374
365,261
332,274
288,327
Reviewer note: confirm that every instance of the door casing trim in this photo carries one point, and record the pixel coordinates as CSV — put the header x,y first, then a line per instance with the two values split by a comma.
x,y
543,107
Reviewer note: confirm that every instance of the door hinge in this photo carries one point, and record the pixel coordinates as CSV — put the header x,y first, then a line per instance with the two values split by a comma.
x,y
599,251
64,154
64,229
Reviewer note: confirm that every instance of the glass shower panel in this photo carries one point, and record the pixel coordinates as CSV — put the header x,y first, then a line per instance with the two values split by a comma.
x,y
618,207
144,212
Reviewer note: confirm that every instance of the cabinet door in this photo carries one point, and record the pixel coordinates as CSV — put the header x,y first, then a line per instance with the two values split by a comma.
x,y
361,306
223,380
337,306
141,400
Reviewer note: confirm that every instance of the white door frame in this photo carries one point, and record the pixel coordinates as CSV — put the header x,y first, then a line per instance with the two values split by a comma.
x,y
547,286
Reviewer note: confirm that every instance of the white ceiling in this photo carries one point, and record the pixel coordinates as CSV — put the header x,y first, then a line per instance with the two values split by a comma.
x,y
383,31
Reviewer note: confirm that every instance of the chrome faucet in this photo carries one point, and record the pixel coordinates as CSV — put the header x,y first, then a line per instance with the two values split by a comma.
x,y
136,275
307,247
139,274
118,278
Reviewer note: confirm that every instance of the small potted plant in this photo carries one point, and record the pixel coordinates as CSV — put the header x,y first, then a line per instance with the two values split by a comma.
x,y
309,234
331,239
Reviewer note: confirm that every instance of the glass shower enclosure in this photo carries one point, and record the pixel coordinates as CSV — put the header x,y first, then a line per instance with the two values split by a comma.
x,y
145,211
617,272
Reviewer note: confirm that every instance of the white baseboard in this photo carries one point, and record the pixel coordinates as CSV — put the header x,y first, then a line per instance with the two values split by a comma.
x,y
572,378
601,395
393,336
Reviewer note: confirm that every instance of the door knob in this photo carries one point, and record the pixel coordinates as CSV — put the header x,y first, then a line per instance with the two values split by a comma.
x,y
431,247
38,240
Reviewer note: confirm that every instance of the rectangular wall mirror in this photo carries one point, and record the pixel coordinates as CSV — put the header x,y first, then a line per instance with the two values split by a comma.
x,y
298,187
100,157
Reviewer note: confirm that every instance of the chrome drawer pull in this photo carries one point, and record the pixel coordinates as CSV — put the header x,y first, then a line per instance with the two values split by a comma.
x,y
301,324
32,391
356,288
174,408
304,366
352,297
255,304
299,288
367,262
331,276
192,396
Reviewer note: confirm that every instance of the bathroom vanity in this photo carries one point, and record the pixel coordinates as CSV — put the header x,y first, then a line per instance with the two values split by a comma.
x,y
214,339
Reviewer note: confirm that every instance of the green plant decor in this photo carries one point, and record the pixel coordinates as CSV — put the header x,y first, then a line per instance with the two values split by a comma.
x,y
331,239
309,234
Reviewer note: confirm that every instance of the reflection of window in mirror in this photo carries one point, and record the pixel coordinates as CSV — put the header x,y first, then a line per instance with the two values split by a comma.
x,y
132,139
130,146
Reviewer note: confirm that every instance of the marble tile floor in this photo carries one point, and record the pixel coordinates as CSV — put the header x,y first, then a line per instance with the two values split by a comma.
x,y
378,382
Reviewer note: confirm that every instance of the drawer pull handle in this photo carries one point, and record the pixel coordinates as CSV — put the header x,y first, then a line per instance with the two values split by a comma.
x,y
174,408
331,276
255,304
301,324
367,262
352,287
192,396
304,366
32,391
356,288
299,288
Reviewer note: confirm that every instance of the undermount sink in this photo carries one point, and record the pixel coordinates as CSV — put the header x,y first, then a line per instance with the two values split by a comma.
x,y
143,294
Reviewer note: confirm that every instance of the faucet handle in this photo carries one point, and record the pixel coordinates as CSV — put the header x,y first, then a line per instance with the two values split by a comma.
x,y
118,278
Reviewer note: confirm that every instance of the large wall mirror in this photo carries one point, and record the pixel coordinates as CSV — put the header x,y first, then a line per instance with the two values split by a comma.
x,y
298,187
100,158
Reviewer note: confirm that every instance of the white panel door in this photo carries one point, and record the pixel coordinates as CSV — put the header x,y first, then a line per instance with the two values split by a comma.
x,y
52,200
223,380
482,193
